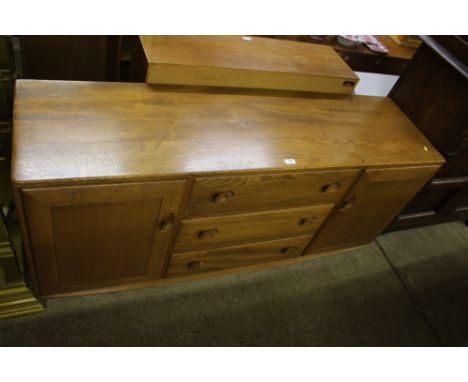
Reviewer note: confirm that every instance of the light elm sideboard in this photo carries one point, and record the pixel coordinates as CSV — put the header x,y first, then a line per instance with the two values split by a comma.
x,y
124,185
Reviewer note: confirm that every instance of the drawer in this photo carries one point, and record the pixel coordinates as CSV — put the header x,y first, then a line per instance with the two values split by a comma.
x,y
222,231
225,258
225,195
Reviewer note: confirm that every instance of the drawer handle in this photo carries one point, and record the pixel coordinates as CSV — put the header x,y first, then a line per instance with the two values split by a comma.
x,y
347,205
348,84
329,188
308,221
223,197
207,234
289,250
196,264
167,224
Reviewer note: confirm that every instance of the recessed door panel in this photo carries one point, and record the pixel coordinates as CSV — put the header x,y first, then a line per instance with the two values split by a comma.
x,y
91,236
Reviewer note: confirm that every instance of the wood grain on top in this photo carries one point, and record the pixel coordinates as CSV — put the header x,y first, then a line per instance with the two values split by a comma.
x,y
80,131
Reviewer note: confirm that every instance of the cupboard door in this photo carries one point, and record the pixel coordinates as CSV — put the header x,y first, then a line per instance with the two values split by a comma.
x,y
93,236
376,198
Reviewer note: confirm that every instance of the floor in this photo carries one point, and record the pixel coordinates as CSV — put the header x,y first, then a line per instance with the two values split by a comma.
x,y
407,288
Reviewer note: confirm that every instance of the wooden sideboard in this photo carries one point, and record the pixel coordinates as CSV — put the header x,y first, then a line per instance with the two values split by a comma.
x,y
123,185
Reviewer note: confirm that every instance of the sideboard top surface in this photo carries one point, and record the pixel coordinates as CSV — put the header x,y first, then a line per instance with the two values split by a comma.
x,y
248,53
82,131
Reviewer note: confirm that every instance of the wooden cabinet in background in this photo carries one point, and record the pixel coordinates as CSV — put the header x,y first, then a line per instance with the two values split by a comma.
x,y
360,58
433,93
74,58
122,185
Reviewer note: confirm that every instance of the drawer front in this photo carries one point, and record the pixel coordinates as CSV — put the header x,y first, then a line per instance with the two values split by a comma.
x,y
233,257
225,195
205,233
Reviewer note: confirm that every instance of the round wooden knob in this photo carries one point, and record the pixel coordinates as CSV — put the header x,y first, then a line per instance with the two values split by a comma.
x,y
307,221
330,188
167,223
347,205
195,264
223,197
289,250
207,234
